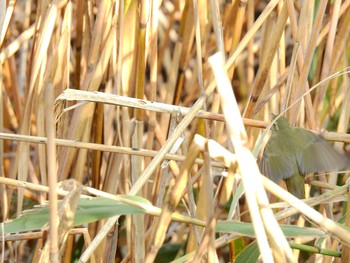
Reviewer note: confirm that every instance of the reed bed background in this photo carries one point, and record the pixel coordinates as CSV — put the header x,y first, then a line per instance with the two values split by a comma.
x,y
160,107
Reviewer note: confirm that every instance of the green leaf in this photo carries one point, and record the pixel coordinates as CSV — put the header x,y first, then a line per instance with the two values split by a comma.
x,y
238,194
250,254
88,210
246,229
168,252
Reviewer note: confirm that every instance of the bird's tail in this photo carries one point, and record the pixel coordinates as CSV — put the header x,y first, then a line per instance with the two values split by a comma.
x,y
295,185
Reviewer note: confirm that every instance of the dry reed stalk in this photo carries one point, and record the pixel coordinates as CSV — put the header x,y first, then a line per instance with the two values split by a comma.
x,y
52,171
336,62
302,84
172,199
97,62
100,147
321,92
266,62
4,201
264,223
5,18
185,34
147,173
186,37
138,225
344,8
4,208
46,28
203,208
153,72
316,217
94,46
238,27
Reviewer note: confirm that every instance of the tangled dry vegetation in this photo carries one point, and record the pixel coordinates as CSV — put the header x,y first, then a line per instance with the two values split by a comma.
x,y
145,119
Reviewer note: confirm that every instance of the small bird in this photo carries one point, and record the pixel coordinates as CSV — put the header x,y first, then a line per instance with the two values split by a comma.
x,y
291,153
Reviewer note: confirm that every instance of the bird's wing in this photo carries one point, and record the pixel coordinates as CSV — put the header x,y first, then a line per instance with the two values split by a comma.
x,y
318,155
277,167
